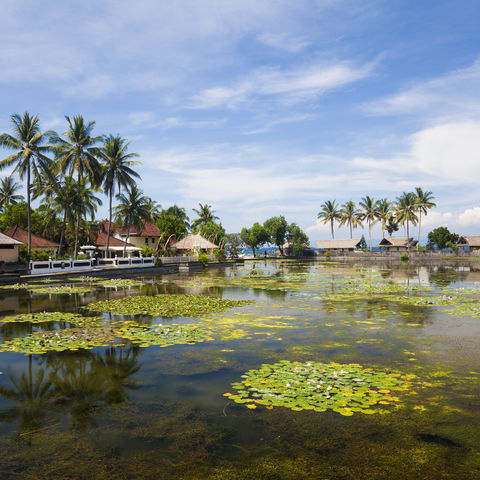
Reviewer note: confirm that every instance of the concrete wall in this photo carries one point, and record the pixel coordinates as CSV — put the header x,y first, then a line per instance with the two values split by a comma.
x,y
9,255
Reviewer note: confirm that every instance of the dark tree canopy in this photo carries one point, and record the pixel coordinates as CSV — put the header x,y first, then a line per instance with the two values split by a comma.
x,y
254,237
439,237
277,228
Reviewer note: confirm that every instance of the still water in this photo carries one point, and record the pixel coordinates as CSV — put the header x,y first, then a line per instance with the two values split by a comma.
x,y
130,412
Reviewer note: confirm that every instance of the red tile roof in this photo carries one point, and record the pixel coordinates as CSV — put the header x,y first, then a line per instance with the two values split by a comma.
x,y
20,234
101,241
148,230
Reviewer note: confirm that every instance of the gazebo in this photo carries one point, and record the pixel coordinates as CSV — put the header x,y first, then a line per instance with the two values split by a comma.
x,y
193,242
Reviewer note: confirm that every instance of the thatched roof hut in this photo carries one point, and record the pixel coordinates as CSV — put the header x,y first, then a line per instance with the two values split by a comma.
x,y
193,242
397,244
339,245
472,241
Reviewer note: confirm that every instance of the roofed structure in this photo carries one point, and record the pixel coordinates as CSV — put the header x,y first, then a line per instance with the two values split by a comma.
x,y
9,248
397,244
340,245
472,241
194,242
148,229
21,235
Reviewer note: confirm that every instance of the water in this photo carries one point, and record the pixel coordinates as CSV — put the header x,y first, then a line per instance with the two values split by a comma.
x,y
123,412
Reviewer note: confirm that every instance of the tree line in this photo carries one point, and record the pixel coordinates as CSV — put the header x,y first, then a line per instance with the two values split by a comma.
x,y
406,210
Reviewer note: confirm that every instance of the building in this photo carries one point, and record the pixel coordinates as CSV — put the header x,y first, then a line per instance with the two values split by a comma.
x,y
193,243
116,246
348,245
469,243
147,236
9,249
397,244
38,243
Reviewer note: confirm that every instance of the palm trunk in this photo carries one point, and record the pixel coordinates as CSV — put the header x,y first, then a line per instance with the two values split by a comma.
x,y
62,233
29,222
77,230
109,223
351,231
331,225
419,227
370,234
126,241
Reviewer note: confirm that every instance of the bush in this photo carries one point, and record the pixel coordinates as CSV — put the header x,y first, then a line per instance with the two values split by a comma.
x,y
82,256
203,257
147,251
328,253
404,257
220,254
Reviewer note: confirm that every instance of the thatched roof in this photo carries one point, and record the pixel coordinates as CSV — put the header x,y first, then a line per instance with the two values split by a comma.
x,y
398,242
469,241
338,244
21,235
6,240
191,241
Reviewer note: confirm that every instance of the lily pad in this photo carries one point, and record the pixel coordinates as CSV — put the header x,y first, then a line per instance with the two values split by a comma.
x,y
430,301
343,388
42,317
167,305
60,289
118,282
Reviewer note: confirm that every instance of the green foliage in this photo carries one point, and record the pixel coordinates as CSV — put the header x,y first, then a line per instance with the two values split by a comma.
x,y
220,254
166,305
82,256
170,224
203,257
277,228
404,257
254,237
40,255
452,246
147,251
363,244
43,317
343,388
212,231
297,238
60,289
118,282
440,236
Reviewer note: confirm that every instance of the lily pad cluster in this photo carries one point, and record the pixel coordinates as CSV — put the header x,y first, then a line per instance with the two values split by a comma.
x,y
467,309
379,288
43,317
166,305
60,340
430,301
343,388
118,282
164,335
60,289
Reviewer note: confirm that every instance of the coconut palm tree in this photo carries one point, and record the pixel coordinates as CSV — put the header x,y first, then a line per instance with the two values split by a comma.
x,y
369,213
329,213
117,172
179,213
131,211
350,215
424,203
8,192
384,213
205,215
155,208
28,142
405,210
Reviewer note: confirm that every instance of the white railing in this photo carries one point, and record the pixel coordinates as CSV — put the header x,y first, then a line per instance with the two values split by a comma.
x,y
54,266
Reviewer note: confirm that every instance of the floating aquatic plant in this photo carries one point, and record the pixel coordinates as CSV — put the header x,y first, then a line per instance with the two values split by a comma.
x,y
164,335
118,282
355,286
343,388
60,289
432,300
42,317
59,340
467,309
15,286
84,279
166,305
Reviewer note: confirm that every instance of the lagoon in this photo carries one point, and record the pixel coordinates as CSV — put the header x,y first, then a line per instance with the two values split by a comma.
x,y
176,409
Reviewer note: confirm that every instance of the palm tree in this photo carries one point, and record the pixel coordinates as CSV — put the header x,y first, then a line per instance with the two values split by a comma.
x,y
369,213
350,215
29,145
384,213
405,210
8,190
205,215
154,207
116,171
424,202
329,213
179,213
132,211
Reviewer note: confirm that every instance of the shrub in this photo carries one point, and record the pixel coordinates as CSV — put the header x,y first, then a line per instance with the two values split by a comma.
x,y
404,257
220,254
203,257
82,256
328,253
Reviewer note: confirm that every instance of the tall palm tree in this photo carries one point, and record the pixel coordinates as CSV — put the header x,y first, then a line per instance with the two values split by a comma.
x,y
369,213
424,203
8,192
350,215
29,145
405,210
179,213
205,215
117,171
384,213
154,207
132,211
329,213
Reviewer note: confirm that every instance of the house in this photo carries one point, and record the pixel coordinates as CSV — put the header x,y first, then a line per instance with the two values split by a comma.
x,y
397,244
348,245
38,243
193,243
116,246
146,236
9,249
469,243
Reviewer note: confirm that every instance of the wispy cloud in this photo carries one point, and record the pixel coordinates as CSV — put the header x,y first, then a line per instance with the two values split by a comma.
x,y
283,41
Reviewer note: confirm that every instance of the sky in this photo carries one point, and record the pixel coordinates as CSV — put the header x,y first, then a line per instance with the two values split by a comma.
x,y
266,107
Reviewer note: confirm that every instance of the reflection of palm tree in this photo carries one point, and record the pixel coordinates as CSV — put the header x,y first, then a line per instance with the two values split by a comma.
x,y
33,397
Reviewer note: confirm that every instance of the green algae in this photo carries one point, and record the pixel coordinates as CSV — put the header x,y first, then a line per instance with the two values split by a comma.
x,y
343,388
118,282
466,309
362,287
60,289
42,317
175,305
432,300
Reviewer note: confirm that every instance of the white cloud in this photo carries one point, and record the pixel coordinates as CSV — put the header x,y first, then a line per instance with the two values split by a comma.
x,y
470,217
283,41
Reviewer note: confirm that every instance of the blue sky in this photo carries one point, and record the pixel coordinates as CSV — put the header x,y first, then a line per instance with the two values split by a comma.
x,y
263,108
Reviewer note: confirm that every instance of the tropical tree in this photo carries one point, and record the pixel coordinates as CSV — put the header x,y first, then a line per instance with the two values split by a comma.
x,y
212,231
329,213
440,237
350,215
155,208
117,172
369,213
63,199
131,211
28,143
179,213
205,215
8,192
255,236
424,202
405,210
384,213
277,228
297,238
